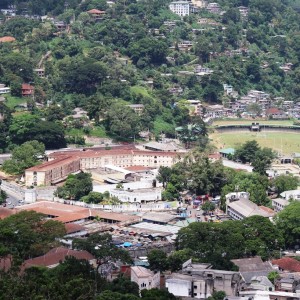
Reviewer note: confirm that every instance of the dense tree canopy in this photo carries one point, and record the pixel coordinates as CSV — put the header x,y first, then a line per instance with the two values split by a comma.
x,y
25,156
76,186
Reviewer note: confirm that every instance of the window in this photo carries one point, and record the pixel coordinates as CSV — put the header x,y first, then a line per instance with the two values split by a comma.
x,y
195,287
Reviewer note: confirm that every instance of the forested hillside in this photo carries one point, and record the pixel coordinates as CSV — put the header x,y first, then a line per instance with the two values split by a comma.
x,y
133,54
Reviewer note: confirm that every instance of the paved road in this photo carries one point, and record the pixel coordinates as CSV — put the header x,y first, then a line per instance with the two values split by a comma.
x,y
12,202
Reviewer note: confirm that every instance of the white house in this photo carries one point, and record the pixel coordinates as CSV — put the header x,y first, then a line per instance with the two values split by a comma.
x,y
4,89
180,8
145,278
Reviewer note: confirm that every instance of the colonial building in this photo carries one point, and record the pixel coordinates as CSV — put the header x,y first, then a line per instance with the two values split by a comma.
x,y
61,164
52,172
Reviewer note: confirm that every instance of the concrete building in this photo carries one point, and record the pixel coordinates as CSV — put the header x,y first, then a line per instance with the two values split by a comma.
x,y
52,172
198,281
145,278
138,195
238,207
39,72
4,89
138,108
180,8
61,164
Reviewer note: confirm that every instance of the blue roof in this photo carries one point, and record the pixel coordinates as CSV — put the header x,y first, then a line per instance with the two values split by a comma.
x,y
227,151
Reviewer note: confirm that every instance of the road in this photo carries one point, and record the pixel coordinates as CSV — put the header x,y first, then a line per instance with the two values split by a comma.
x,y
12,202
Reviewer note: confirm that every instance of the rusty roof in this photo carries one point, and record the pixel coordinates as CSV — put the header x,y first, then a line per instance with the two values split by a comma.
x,y
55,256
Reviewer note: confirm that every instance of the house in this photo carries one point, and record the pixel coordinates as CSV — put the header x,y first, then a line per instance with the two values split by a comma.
x,y
180,8
250,270
145,278
213,8
196,107
39,72
244,11
96,14
138,108
27,90
4,89
287,264
55,256
276,113
7,39
227,152
261,283
287,283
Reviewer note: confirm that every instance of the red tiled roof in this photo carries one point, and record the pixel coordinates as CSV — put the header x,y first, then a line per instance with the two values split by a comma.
x,y
73,227
70,213
55,256
26,86
267,209
6,39
52,164
273,110
287,264
137,168
95,11
5,212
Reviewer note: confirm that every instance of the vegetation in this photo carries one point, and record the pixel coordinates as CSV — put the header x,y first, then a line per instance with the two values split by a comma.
x,y
76,187
218,243
25,156
281,142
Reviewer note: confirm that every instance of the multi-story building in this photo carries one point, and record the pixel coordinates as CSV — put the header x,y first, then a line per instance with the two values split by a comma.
x,y
52,172
39,72
199,281
180,8
145,278
238,207
214,8
61,164
138,108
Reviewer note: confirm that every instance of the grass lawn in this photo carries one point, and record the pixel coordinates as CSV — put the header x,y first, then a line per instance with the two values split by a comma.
x,y
282,142
97,131
11,101
249,122
140,90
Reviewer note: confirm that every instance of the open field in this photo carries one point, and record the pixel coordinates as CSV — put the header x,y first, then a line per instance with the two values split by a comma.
x,y
249,122
11,101
282,142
